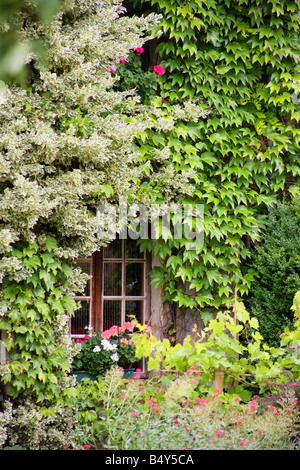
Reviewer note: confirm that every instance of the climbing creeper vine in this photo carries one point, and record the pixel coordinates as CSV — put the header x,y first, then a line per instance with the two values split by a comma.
x,y
239,60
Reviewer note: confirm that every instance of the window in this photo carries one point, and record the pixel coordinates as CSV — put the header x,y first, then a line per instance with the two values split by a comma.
x,y
82,317
118,288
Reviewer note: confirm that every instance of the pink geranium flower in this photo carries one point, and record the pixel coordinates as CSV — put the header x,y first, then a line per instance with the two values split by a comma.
x,y
78,340
112,68
158,69
139,50
122,60
127,326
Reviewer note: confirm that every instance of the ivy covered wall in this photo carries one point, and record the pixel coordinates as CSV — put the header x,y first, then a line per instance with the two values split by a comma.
x,y
238,61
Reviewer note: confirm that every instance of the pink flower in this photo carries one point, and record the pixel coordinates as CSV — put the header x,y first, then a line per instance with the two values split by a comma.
x,y
106,334
176,421
112,68
138,370
122,60
124,340
141,387
86,447
151,402
243,442
238,421
271,407
156,408
148,329
86,337
115,330
289,411
158,69
219,433
78,340
259,431
252,406
139,50
276,413
134,413
127,326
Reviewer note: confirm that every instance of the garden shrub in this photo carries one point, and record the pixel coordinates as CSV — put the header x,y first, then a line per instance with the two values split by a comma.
x,y
218,348
32,427
148,414
66,148
277,264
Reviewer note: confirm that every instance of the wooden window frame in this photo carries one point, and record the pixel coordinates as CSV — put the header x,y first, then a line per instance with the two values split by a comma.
x,y
96,297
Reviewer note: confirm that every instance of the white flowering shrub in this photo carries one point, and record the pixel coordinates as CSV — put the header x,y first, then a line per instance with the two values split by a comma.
x,y
65,144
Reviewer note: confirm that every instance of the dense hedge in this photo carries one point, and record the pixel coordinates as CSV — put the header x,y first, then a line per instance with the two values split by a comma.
x,y
277,263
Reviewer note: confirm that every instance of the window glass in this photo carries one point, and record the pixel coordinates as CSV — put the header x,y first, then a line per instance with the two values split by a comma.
x,y
112,279
81,319
134,282
111,313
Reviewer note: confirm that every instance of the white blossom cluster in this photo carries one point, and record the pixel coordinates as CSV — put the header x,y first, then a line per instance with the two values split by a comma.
x,y
107,346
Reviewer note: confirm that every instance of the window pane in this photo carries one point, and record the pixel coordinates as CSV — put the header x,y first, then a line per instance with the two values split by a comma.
x,y
111,313
113,250
134,279
112,279
81,319
132,249
134,307
85,268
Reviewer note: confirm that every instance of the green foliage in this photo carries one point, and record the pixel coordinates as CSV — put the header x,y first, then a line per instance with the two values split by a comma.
x,y
12,50
218,347
101,351
32,427
240,63
35,321
168,414
277,265
133,77
66,149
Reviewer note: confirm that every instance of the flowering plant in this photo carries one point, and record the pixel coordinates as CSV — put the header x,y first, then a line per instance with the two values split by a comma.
x,y
158,69
102,350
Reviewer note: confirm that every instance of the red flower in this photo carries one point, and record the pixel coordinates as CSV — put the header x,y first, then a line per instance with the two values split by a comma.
x,y
158,69
139,50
